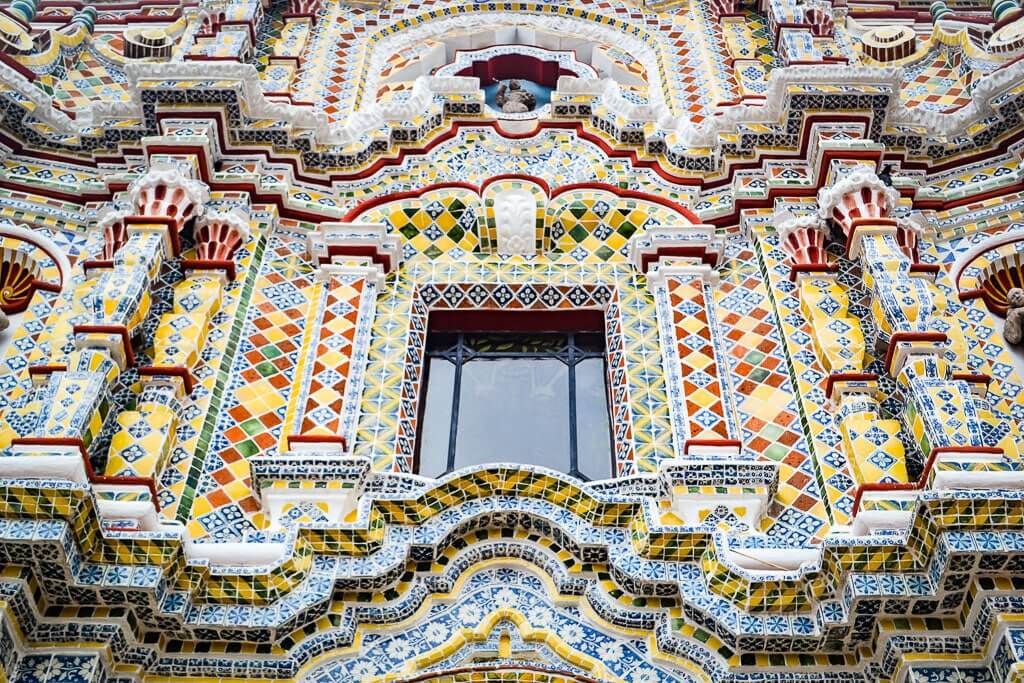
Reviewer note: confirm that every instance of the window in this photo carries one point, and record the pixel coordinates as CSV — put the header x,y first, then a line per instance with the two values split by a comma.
x,y
536,399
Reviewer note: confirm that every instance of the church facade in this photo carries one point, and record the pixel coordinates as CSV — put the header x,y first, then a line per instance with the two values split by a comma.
x,y
605,341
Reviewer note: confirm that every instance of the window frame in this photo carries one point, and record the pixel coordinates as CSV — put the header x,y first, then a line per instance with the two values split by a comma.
x,y
458,354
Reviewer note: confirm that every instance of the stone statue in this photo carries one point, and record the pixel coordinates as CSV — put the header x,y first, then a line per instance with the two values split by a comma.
x,y
4,321
513,99
1013,330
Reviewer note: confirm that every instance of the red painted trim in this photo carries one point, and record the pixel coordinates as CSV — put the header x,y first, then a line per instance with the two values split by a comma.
x,y
45,370
798,268
97,264
171,223
516,176
973,377
969,294
717,443
1011,17
930,268
126,339
359,209
963,201
923,479
226,265
18,66
511,65
17,306
357,250
45,286
516,320
317,438
870,221
577,126
703,254
631,194
898,337
170,371
831,380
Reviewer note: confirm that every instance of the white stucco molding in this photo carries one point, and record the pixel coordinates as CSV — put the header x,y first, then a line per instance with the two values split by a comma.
x,y
168,175
938,124
555,24
832,196
310,118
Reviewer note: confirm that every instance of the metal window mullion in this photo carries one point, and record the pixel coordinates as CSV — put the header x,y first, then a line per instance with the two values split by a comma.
x,y
573,441
456,395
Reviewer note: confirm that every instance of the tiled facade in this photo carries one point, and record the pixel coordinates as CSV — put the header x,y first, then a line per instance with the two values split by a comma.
x,y
228,226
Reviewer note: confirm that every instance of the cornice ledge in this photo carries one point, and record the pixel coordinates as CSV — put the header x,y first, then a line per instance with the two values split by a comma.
x,y
771,109
955,123
44,109
937,124
256,104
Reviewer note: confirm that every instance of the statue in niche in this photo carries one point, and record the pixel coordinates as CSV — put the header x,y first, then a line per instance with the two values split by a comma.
x,y
1013,330
513,99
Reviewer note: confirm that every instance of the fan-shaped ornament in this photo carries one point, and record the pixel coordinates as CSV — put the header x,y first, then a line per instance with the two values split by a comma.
x,y
19,276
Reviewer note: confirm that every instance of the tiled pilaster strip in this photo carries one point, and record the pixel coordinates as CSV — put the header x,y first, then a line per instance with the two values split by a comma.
x,y
353,261
679,264
312,479
332,366
708,483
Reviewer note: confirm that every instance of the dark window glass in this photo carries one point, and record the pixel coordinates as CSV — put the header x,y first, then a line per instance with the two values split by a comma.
x,y
537,399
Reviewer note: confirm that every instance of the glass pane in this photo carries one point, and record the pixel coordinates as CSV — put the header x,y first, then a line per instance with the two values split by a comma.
x,y
437,417
514,410
593,437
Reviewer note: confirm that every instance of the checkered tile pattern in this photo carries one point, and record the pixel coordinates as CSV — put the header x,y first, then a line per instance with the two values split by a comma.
x,y
338,304
442,223
252,414
589,223
703,413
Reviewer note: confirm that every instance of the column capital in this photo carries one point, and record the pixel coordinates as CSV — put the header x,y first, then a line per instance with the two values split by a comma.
x,y
165,194
218,236
857,198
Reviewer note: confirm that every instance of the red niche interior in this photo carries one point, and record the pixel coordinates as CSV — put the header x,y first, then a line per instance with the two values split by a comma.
x,y
512,65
